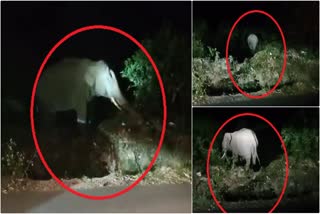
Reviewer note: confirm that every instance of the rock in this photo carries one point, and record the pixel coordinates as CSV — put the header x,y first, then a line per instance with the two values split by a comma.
x,y
304,170
257,74
124,145
129,148
236,184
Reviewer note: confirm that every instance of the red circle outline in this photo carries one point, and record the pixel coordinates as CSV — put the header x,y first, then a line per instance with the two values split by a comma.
x,y
283,146
284,56
87,28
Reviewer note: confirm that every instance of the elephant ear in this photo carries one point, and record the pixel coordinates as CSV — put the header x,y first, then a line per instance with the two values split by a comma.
x,y
93,72
229,139
90,77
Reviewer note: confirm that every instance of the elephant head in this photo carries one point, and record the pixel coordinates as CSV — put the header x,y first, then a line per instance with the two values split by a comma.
x,y
103,82
226,143
72,83
252,42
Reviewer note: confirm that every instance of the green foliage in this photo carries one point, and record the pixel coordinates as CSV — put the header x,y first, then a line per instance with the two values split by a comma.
x,y
202,199
215,157
138,70
271,46
13,161
213,53
302,143
309,54
199,47
199,50
170,51
199,82
202,135
200,147
200,73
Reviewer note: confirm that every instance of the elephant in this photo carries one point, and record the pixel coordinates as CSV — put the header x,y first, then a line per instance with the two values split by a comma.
x,y
252,42
241,143
71,83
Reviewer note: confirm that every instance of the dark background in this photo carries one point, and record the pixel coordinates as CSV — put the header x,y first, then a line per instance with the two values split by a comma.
x,y
209,120
31,29
299,21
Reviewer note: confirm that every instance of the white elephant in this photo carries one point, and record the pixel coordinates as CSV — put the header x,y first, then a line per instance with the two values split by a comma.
x,y
71,83
241,143
252,42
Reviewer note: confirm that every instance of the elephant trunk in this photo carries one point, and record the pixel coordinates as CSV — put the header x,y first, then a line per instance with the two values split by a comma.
x,y
224,155
119,101
114,101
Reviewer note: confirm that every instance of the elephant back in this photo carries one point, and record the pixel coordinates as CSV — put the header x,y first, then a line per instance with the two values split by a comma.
x,y
242,142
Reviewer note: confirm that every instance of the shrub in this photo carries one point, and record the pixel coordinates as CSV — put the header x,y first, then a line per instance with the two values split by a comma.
x,y
169,50
302,143
138,70
199,80
199,50
213,53
13,161
203,131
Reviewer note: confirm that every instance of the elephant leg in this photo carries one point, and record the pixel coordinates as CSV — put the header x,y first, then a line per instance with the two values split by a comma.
x,y
90,119
44,118
234,159
247,163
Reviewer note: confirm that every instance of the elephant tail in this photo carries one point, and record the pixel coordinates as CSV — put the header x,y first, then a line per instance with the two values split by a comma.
x,y
254,153
255,138
256,157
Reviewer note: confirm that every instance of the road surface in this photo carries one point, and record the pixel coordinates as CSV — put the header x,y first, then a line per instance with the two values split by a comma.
x,y
157,198
307,203
272,100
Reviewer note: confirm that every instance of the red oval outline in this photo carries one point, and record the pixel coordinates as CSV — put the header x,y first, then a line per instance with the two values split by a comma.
x,y
283,146
284,56
82,29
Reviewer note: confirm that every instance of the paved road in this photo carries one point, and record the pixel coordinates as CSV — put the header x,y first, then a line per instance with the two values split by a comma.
x,y
272,100
158,198
308,203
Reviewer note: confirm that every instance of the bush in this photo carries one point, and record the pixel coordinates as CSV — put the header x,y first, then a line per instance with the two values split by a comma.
x,y
199,50
139,71
13,161
169,50
199,80
302,143
203,131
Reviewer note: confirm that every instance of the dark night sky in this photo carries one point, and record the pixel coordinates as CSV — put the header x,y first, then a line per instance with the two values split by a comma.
x,y
278,116
30,29
299,20
287,14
